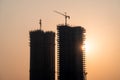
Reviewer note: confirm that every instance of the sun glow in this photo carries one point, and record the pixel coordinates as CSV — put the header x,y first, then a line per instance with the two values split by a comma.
x,y
87,47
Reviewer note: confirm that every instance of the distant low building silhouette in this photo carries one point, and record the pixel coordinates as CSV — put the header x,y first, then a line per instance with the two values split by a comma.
x,y
71,62
42,55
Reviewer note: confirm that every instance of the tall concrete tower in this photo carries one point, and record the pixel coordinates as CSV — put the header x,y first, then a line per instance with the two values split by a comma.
x,y
42,55
71,64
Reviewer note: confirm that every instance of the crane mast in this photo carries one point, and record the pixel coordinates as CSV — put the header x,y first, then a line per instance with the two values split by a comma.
x,y
65,15
40,23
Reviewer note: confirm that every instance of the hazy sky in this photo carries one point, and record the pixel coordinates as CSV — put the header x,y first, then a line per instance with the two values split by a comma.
x,y
100,18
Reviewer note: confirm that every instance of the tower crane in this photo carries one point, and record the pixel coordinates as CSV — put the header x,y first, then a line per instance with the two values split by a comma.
x,y
65,15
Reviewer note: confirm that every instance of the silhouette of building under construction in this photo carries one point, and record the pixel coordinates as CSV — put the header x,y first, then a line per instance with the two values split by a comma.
x,y
42,55
71,62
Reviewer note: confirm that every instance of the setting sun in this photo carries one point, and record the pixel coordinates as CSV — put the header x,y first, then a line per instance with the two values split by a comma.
x,y
87,47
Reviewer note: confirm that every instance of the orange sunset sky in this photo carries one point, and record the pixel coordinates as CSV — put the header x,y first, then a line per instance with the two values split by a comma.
x,y
100,18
